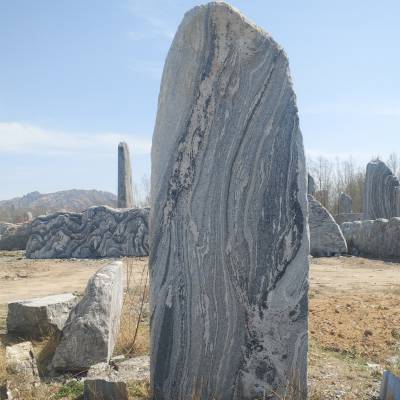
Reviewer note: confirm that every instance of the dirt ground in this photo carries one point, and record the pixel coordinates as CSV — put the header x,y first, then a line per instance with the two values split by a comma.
x,y
354,314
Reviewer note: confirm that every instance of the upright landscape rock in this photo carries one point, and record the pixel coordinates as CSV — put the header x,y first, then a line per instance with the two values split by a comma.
x,y
97,232
91,330
381,192
345,203
379,238
37,318
326,238
125,190
311,185
229,238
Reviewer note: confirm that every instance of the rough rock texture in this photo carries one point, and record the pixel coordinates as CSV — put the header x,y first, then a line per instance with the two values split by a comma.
x,y
326,238
229,237
14,236
21,361
91,330
390,388
36,318
351,217
311,185
104,389
125,191
345,204
381,192
378,238
97,232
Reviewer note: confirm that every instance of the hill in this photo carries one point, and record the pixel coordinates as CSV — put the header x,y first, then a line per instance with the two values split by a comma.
x,y
14,210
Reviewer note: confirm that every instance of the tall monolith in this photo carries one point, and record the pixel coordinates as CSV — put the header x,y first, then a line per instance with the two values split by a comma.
x,y
345,203
125,191
229,237
381,192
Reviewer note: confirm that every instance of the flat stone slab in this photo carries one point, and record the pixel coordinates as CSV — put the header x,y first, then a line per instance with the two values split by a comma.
x,y
91,330
326,237
39,317
98,232
229,236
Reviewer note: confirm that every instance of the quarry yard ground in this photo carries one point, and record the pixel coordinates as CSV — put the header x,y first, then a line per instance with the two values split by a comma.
x,y
354,314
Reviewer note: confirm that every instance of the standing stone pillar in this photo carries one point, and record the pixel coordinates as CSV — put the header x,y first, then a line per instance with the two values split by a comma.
x,y
229,237
311,185
345,203
125,192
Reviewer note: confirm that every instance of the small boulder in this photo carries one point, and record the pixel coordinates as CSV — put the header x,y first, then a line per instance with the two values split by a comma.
x,y
20,361
36,318
89,334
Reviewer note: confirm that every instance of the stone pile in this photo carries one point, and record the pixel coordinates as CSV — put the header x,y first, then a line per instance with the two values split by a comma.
x,y
326,237
381,192
97,232
378,238
229,237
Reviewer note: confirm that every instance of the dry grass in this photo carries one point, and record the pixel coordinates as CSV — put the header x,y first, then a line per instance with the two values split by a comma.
x,y
3,369
133,338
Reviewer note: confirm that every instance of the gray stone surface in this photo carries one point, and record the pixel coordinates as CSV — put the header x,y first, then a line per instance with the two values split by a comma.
x,y
14,236
36,318
351,217
378,238
381,192
326,237
91,330
311,185
105,389
345,203
125,190
20,361
97,232
229,237
390,388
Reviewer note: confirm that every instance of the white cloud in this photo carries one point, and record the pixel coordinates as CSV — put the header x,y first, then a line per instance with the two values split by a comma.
x,y
22,138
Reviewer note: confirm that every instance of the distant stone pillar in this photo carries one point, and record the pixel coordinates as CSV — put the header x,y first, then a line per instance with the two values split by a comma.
x,y
125,192
311,185
345,203
229,236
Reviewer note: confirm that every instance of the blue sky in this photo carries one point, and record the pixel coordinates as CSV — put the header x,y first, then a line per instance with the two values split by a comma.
x,y
76,77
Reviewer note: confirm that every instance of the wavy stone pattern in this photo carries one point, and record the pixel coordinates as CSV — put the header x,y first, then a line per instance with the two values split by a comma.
x,y
97,232
229,237
378,238
381,192
125,191
326,238
345,203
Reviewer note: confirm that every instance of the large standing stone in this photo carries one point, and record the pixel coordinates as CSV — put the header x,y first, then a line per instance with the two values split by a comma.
x,y
36,318
97,232
381,192
311,185
326,238
378,238
90,332
229,238
345,203
125,191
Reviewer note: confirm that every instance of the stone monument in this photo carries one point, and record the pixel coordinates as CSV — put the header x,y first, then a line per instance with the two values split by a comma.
x,y
228,220
125,192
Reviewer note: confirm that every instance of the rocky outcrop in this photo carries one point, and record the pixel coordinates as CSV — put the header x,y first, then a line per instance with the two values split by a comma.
x,y
229,237
345,203
378,238
91,330
97,232
381,192
125,191
36,203
37,318
14,236
326,238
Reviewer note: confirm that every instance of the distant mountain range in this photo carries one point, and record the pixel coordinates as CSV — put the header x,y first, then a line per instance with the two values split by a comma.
x,y
14,210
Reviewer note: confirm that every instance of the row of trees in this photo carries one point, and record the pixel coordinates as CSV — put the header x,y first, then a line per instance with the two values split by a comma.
x,y
335,176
